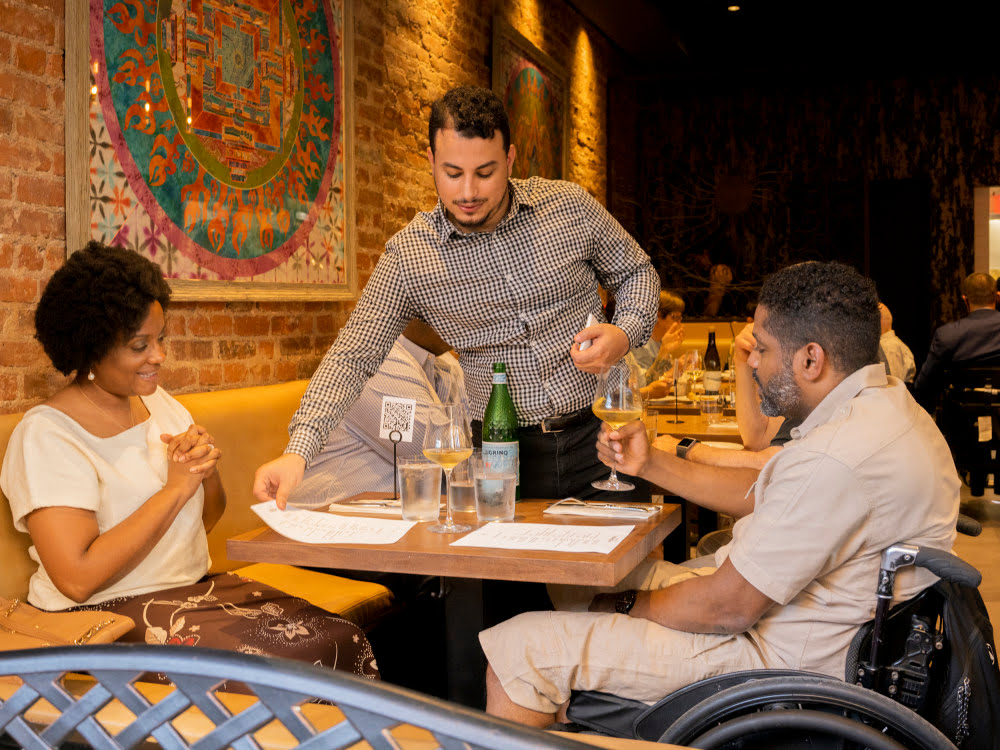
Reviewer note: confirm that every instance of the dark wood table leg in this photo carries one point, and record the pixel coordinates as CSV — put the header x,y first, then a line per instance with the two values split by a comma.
x,y
464,659
675,545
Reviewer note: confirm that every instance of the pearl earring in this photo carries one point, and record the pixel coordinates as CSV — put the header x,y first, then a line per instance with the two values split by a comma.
x,y
90,375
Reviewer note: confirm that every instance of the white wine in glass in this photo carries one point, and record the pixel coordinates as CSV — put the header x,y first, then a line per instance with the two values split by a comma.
x,y
447,442
617,402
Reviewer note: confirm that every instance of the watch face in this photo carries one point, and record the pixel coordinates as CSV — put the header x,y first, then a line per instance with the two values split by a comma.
x,y
684,445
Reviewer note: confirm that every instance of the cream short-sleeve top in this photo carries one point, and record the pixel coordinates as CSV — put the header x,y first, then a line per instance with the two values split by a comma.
x,y
52,461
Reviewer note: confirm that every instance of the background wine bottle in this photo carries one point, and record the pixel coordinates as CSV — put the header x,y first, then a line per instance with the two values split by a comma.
x,y
500,423
712,361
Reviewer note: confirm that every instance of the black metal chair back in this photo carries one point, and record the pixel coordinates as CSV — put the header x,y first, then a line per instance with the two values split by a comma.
x,y
969,418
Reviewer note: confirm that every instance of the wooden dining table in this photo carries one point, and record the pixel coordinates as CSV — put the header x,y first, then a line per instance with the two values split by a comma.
x,y
465,568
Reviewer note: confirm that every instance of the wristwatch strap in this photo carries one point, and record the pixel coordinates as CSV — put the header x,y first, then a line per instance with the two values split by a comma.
x,y
625,601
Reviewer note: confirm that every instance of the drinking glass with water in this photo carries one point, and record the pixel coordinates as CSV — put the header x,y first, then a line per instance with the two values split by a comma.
x,y
494,484
419,489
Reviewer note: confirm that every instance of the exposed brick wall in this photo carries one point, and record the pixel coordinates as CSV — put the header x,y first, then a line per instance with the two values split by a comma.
x,y
407,53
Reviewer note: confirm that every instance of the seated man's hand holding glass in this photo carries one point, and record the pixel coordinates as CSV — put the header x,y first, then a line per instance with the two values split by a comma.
x,y
626,448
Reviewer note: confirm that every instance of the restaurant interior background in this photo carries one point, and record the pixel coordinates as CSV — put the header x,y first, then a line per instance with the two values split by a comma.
x,y
782,132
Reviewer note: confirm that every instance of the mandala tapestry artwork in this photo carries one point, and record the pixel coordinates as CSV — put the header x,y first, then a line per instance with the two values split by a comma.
x,y
216,137
533,91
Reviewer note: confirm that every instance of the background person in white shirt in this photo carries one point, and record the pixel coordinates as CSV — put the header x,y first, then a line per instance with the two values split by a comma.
x,y
655,356
355,458
898,357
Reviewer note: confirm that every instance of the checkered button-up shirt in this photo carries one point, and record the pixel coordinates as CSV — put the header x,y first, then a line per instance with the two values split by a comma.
x,y
516,295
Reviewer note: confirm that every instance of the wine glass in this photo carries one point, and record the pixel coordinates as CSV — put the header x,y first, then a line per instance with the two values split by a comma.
x,y
448,442
617,402
694,364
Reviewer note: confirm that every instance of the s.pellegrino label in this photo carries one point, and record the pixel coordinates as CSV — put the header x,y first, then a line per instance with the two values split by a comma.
x,y
500,446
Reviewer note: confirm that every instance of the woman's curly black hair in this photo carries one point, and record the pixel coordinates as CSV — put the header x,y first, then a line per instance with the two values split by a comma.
x,y
96,301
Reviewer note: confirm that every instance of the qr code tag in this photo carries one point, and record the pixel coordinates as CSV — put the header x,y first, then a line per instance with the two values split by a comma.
x,y
985,428
397,419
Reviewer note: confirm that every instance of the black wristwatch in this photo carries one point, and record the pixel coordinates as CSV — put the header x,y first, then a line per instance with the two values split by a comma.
x,y
625,601
684,445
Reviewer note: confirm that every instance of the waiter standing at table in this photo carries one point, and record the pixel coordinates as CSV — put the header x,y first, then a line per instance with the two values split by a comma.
x,y
505,270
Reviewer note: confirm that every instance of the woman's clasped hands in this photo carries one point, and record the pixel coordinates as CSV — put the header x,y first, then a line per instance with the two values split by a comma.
x,y
195,448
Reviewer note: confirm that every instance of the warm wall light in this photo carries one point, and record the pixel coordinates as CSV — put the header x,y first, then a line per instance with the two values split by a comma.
x,y
733,8
994,205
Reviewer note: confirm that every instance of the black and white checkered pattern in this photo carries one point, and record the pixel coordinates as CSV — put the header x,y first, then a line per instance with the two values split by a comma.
x,y
517,295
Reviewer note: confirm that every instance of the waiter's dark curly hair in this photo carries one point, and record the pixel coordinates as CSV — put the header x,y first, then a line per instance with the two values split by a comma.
x,y
827,303
473,112
97,300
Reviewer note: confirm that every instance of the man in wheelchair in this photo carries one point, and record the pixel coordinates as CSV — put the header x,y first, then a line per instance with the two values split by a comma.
x,y
865,469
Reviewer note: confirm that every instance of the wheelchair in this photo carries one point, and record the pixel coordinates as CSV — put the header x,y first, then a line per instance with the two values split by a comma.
x,y
922,674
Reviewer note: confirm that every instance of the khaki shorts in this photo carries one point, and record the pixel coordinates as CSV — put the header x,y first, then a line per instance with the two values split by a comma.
x,y
540,657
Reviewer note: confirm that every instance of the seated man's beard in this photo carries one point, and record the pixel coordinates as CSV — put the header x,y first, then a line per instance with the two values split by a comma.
x,y
781,396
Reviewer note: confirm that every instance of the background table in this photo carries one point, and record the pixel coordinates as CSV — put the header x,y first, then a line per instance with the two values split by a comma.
x,y
465,568
697,426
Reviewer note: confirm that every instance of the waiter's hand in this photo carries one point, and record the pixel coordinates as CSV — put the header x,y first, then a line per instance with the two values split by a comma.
x,y
608,344
276,479
625,448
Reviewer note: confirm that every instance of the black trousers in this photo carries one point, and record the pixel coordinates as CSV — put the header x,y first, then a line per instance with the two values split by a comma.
x,y
555,465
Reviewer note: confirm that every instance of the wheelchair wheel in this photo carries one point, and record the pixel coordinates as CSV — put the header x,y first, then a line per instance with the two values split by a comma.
x,y
759,714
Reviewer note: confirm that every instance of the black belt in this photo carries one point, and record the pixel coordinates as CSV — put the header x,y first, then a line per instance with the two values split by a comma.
x,y
561,422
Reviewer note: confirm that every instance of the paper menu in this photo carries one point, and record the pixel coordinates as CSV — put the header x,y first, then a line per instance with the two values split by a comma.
x,y
319,527
543,536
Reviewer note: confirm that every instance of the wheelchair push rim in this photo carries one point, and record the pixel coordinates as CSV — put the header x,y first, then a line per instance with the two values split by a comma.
x,y
814,694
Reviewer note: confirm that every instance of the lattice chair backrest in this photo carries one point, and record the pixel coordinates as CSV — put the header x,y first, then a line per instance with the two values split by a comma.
x,y
96,695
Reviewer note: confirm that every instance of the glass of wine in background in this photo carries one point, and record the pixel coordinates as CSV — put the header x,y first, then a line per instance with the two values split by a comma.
x,y
447,442
617,402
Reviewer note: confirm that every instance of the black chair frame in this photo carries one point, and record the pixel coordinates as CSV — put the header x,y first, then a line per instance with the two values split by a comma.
x,y
972,393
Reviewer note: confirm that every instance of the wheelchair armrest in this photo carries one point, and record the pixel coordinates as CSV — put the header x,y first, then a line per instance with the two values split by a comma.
x,y
968,525
947,566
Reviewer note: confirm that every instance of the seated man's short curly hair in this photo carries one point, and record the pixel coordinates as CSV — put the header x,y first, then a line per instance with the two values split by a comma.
x,y
827,303
96,301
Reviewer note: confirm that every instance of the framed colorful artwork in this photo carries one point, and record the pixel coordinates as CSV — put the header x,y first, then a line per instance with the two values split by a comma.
x,y
215,138
535,92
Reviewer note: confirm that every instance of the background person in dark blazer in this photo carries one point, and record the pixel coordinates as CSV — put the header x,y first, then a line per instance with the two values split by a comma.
x,y
974,337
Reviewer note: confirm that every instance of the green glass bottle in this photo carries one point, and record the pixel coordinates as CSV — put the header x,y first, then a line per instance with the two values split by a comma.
x,y
500,424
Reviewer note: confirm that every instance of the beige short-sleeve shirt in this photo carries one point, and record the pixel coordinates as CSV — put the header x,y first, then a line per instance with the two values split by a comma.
x,y
866,469
52,461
